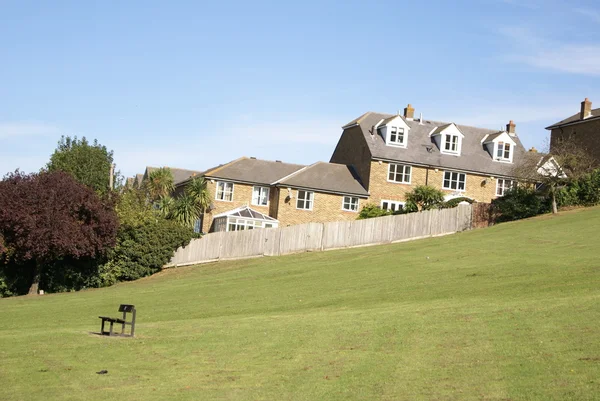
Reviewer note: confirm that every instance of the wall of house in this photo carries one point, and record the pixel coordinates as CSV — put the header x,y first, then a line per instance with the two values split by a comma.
x,y
326,207
242,196
586,134
380,188
353,150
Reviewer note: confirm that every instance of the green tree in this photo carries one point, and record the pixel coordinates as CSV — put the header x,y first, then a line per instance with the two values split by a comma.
x,y
89,163
197,189
160,183
185,210
424,197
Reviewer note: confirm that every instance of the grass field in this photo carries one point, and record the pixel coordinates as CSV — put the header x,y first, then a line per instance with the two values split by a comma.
x,y
506,313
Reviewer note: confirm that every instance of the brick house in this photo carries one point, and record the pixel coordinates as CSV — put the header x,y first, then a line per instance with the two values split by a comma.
x,y
394,153
583,128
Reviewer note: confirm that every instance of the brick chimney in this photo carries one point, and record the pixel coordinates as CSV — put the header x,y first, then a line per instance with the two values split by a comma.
x,y
409,112
586,109
510,128
533,150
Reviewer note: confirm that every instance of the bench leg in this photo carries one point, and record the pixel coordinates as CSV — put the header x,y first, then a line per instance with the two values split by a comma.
x,y
102,328
111,328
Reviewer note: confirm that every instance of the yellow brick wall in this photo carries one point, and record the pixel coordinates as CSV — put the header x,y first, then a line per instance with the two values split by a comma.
x,y
326,207
380,188
242,196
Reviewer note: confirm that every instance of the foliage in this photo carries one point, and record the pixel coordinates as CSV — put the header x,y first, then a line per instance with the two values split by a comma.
x,y
585,191
371,210
165,206
133,208
454,202
520,203
197,189
88,163
159,183
49,216
143,250
424,197
185,211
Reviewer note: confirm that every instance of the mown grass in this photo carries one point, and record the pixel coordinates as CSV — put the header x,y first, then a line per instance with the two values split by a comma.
x,y
506,313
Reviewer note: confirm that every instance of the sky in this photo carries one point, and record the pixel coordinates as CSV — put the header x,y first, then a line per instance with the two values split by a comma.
x,y
194,84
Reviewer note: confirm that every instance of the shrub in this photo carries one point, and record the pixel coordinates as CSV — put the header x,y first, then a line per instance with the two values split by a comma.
x,y
424,197
520,203
370,210
454,202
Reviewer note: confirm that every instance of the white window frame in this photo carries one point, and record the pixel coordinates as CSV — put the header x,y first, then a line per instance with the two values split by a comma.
x,y
349,204
394,206
457,180
224,191
309,198
242,224
403,174
502,188
397,132
258,192
448,138
501,148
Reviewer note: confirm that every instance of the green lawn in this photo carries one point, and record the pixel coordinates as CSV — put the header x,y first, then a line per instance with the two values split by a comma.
x,y
506,313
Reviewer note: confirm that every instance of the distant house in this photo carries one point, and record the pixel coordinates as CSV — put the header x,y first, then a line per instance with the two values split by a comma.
x,y
583,128
394,153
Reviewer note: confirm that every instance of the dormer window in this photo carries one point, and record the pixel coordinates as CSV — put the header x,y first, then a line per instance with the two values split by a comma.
x,y
451,143
397,135
503,151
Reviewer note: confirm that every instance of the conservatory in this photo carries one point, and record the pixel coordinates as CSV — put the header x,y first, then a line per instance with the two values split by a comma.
x,y
243,218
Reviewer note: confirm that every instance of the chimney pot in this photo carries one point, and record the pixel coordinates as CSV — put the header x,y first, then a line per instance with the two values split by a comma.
x,y
533,150
586,109
510,128
409,112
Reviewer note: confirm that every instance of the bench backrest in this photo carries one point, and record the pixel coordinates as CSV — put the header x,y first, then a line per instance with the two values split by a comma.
x,y
126,308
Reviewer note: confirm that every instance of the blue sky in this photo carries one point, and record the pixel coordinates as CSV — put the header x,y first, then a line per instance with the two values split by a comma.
x,y
194,84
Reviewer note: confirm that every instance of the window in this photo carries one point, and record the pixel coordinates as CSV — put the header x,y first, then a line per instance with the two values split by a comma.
x,y
235,224
451,143
399,173
503,151
198,225
397,135
350,204
305,200
260,196
453,180
503,185
224,191
394,206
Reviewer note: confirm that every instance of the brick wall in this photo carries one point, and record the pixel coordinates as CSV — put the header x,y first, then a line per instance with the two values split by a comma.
x,y
326,207
380,188
585,134
242,196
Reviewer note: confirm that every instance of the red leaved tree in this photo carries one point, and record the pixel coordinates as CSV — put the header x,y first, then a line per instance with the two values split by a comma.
x,y
48,216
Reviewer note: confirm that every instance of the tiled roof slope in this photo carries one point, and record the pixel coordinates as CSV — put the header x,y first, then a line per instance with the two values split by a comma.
x,y
253,171
179,174
421,150
327,177
575,117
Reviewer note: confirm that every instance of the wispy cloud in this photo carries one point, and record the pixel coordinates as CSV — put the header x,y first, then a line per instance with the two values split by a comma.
x,y
536,51
592,14
26,129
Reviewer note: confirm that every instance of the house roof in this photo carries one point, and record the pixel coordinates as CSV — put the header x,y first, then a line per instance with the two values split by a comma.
x,y
422,150
179,174
245,211
326,177
595,113
253,171
491,137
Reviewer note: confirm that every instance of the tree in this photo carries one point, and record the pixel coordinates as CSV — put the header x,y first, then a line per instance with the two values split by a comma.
x,y
197,189
424,197
90,164
49,216
159,183
565,163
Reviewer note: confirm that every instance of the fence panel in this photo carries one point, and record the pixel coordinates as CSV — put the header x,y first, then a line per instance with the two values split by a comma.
x,y
271,239
239,244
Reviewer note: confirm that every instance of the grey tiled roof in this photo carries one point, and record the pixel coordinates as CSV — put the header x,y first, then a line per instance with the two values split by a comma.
x,y
422,150
575,117
253,171
327,177
179,174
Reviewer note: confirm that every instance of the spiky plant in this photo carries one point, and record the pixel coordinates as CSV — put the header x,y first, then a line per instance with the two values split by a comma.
x,y
185,210
197,189
160,183
165,206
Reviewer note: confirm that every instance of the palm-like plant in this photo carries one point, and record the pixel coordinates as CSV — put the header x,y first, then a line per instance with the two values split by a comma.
x,y
198,191
160,183
165,206
185,210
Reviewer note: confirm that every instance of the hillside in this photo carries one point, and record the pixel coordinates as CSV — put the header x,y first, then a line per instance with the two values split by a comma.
x,y
505,313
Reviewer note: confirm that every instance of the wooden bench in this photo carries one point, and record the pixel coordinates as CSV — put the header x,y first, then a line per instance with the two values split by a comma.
x,y
122,321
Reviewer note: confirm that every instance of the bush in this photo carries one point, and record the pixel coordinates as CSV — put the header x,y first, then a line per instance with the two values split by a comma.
x,y
424,197
454,202
520,203
143,250
370,210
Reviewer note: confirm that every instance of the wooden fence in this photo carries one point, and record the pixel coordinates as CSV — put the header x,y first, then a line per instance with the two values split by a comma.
x,y
323,236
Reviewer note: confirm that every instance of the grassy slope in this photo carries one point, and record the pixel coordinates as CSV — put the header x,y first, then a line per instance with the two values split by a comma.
x,y
509,312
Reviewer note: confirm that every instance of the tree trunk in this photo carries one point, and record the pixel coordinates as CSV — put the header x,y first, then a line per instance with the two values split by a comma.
x,y
35,284
554,206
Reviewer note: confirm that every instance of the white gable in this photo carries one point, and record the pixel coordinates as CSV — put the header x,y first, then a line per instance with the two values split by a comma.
x,y
395,132
448,139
